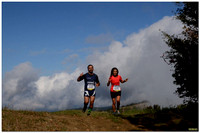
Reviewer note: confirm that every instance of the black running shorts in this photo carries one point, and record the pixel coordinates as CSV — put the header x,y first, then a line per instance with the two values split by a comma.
x,y
88,93
115,94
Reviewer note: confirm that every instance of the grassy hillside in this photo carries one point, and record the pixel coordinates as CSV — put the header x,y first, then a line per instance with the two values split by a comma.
x,y
133,118
70,120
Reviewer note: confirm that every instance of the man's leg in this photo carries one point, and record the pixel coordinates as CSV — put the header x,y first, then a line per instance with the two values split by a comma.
x,y
92,98
86,101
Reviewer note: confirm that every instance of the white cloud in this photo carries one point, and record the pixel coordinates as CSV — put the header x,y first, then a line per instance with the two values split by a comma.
x,y
137,58
70,59
18,84
23,89
66,51
36,53
100,39
60,91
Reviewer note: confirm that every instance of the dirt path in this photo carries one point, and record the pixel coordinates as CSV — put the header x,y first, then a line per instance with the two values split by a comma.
x,y
89,123
64,121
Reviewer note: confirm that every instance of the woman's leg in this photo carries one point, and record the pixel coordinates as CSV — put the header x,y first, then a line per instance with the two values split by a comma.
x,y
113,104
118,102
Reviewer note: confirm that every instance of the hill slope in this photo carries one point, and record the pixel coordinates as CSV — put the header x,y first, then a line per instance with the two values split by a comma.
x,y
134,117
71,120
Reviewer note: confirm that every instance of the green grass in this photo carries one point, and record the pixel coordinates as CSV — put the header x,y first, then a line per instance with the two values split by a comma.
x,y
180,118
69,112
135,111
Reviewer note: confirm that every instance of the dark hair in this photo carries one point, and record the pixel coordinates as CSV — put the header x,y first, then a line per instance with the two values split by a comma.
x,y
112,70
90,65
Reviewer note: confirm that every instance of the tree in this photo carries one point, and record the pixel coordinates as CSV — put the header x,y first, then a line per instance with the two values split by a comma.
x,y
183,53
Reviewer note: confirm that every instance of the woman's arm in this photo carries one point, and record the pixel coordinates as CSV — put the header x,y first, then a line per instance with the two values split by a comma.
x,y
109,82
123,81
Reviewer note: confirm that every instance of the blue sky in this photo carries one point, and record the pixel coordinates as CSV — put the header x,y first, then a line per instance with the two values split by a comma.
x,y
56,37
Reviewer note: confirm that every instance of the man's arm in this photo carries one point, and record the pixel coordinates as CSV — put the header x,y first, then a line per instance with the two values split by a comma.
x,y
80,77
97,82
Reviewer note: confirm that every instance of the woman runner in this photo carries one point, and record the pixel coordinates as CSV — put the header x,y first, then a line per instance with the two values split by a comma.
x,y
115,89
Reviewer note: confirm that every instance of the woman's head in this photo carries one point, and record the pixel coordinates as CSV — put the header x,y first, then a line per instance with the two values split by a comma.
x,y
114,72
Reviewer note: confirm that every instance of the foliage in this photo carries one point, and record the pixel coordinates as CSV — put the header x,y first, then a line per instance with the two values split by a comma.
x,y
183,53
154,118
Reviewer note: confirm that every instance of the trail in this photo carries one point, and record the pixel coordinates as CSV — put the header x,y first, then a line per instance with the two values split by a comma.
x,y
64,121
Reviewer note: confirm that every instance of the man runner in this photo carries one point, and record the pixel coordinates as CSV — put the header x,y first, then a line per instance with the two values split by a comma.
x,y
91,79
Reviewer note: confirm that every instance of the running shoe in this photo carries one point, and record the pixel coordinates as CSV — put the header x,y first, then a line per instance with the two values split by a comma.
x,y
89,111
83,110
118,112
114,113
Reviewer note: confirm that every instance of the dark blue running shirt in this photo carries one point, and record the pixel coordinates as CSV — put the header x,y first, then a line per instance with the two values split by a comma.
x,y
90,81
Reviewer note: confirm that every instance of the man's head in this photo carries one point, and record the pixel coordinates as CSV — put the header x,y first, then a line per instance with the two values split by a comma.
x,y
90,68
